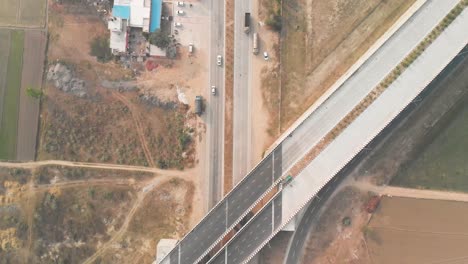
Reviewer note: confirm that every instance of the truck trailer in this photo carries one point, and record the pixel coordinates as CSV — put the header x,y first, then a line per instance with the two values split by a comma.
x,y
255,44
198,105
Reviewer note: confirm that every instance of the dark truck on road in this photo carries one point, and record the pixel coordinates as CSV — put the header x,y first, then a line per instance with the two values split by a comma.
x,y
247,23
198,105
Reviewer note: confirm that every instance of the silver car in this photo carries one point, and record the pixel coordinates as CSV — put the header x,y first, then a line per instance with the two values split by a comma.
x,y
219,60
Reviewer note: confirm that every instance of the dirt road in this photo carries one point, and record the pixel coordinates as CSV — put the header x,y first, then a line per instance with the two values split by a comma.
x,y
35,164
141,197
137,121
413,193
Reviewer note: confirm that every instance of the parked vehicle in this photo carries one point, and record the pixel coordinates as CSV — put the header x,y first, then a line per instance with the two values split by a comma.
x,y
265,56
247,23
219,60
177,24
191,48
255,44
180,3
180,12
213,90
198,105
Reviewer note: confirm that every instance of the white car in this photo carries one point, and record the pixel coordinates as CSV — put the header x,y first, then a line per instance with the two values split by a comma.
x,y
213,90
178,24
219,60
180,3
265,56
180,12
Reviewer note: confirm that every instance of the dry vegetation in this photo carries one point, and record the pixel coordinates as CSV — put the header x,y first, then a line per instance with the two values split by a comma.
x,y
229,90
321,40
164,214
106,125
64,215
334,244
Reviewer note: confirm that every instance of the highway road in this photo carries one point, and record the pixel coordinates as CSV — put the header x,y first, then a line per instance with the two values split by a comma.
x,y
354,138
215,106
310,132
242,123
297,244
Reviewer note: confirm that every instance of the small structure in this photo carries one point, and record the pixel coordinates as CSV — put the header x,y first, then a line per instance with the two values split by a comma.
x,y
127,14
163,248
372,204
155,51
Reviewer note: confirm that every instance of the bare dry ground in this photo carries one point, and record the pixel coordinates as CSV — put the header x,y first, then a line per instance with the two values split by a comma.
x,y
55,214
330,241
229,91
23,13
33,67
321,40
49,223
106,125
405,230
164,214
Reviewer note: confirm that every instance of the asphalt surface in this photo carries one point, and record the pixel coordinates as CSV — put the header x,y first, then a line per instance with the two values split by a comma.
x,y
229,211
376,117
242,127
215,105
252,235
314,128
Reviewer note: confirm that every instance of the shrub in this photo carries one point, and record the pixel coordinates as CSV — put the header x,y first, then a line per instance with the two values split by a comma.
x,y
160,39
101,50
274,22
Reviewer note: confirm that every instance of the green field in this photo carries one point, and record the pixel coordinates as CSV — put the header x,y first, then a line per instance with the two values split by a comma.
x,y
444,163
10,111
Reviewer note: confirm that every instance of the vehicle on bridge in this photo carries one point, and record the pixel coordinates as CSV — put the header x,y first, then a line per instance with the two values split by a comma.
x,y
287,180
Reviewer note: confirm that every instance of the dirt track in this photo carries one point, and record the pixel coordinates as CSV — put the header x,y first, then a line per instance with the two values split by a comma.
x,y
33,67
138,126
413,193
141,197
35,164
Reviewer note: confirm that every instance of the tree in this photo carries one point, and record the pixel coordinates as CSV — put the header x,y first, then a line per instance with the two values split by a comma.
x,y
274,22
34,93
160,39
101,50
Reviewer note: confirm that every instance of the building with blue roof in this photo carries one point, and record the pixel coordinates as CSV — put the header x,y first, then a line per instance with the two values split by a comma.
x,y
144,14
156,9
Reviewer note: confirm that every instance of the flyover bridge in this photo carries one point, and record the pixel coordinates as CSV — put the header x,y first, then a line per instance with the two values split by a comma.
x,y
308,133
321,171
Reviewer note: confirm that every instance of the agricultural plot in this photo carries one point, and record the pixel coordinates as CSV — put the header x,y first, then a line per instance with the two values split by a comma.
x,y
23,13
19,112
10,109
405,230
33,67
4,51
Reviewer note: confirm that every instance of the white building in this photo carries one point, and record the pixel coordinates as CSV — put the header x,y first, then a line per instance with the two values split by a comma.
x,y
144,14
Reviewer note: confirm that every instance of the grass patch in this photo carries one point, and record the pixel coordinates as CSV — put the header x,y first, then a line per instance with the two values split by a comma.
x,y
442,164
9,125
